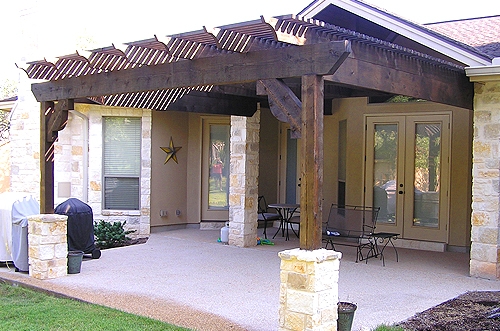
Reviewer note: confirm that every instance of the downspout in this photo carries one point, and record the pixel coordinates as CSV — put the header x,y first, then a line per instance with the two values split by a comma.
x,y
85,166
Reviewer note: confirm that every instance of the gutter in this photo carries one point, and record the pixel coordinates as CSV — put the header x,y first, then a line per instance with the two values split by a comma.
x,y
85,165
485,73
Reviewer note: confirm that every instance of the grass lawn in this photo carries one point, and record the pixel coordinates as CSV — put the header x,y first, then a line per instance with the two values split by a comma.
x,y
24,309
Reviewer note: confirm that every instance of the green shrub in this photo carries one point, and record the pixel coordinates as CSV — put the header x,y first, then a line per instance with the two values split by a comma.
x,y
110,234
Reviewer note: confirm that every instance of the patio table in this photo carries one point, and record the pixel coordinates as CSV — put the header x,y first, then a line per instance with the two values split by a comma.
x,y
286,211
385,238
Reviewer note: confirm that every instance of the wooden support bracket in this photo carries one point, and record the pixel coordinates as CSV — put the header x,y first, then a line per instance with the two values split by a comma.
x,y
284,104
57,117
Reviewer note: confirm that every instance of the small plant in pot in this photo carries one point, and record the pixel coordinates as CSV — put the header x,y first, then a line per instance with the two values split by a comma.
x,y
111,234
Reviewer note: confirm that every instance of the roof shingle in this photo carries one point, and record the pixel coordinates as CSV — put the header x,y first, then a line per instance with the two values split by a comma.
x,y
483,33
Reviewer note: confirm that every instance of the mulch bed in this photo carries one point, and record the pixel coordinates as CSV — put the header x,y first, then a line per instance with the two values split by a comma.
x,y
472,311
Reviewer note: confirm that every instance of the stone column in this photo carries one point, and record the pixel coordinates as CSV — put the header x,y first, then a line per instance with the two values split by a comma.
x,y
309,290
243,182
47,246
485,248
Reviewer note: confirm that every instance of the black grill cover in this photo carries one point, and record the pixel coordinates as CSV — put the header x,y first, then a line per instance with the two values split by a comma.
x,y
80,225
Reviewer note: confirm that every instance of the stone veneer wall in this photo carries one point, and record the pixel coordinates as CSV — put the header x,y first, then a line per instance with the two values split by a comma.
x,y
309,290
69,164
243,187
48,246
485,236
25,143
69,149
68,167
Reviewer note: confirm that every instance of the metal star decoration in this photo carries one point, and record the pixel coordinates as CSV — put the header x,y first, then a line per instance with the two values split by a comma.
x,y
171,151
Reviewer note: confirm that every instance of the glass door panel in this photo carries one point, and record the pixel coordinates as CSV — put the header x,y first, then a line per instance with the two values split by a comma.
x,y
215,169
219,167
426,174
385,171
427,169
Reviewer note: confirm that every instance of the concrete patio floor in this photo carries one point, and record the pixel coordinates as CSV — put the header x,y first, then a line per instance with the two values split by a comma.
x,y
189,269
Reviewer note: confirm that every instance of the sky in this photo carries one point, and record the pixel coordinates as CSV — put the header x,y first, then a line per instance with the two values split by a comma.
x,y
34,29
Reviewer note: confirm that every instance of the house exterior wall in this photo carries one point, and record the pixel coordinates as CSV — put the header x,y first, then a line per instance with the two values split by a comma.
x,y
354,110
25,143
69,167
485,249
269,156
169,189
177,186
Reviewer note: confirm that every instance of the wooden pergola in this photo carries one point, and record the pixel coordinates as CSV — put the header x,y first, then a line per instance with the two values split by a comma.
x,y
294,66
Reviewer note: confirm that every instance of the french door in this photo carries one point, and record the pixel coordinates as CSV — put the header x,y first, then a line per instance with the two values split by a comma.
x,y
215,169
407,174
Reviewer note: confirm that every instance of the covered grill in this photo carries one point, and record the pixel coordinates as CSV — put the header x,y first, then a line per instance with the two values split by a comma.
x,y
80,226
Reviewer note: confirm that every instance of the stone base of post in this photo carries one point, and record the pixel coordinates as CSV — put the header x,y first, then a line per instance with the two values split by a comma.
x,y
309,290
47,246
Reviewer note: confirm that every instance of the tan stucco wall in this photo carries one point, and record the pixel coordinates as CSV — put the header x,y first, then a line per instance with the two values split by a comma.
x,y
168,187
268,156
330,163
461,178
178,186
355,109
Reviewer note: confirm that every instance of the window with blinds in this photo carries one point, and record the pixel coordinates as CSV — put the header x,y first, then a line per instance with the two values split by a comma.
x,y
121,162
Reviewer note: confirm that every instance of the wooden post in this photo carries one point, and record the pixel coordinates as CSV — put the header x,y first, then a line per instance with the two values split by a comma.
x,y
46,161
53,118
311,190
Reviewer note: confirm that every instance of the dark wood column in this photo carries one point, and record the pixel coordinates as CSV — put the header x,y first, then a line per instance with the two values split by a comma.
x,y
311,189
53,118
46,161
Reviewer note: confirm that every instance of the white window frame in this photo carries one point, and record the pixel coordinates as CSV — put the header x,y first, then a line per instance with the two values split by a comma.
x,y
121,163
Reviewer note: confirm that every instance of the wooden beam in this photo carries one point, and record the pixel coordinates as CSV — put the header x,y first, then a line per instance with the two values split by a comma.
x,y
311,168
231,68
391,72
284,104
215,103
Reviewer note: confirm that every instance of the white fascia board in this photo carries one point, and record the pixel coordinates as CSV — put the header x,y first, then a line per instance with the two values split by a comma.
x,y
7,105
483,73
401,27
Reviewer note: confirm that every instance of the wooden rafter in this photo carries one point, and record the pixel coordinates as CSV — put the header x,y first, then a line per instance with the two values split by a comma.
x,y
232,68
391,72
